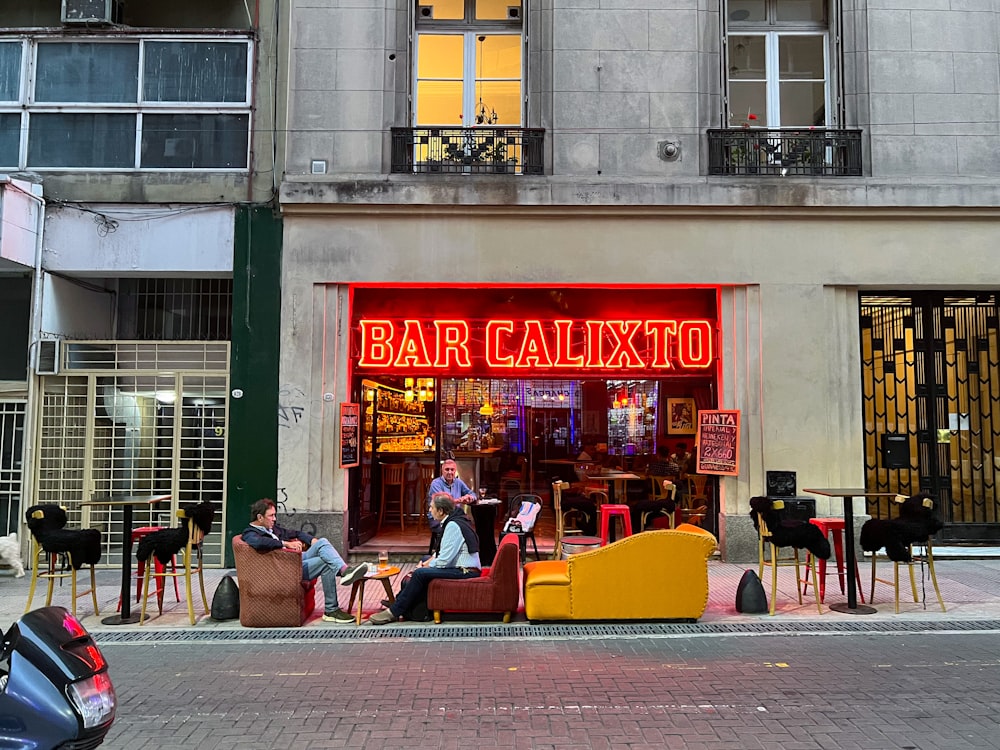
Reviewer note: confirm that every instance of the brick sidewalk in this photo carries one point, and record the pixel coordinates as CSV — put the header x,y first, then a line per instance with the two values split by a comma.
x,y
970,587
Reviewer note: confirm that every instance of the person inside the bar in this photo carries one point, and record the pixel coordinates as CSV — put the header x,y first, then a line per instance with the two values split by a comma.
x,y
457,558
319,557
450,484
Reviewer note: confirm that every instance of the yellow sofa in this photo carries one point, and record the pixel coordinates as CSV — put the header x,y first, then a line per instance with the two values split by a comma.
x,y
655,575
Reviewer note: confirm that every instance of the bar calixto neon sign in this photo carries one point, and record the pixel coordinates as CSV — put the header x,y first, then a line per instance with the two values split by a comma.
x,y
634,346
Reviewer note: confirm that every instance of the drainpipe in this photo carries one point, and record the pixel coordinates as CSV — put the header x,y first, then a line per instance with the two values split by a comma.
x,y
31,415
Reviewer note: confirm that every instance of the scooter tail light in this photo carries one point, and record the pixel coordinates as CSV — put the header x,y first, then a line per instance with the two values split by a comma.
x,y
94,699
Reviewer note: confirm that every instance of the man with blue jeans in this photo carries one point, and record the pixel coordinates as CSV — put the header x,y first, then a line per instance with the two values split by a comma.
x,y
457,558
319,558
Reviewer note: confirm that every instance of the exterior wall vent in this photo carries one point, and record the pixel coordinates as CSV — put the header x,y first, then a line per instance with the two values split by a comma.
x,y
47,362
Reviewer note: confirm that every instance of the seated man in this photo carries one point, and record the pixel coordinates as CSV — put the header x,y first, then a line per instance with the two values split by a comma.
x,y
457,558
319,558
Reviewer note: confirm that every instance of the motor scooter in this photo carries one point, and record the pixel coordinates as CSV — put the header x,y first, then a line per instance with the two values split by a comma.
x,y
55,691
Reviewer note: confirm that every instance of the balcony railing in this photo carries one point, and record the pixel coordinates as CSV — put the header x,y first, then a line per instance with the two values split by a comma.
x,y
480,150
784,153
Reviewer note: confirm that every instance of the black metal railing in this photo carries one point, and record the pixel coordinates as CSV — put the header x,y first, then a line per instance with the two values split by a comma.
x,y
758,151
480,150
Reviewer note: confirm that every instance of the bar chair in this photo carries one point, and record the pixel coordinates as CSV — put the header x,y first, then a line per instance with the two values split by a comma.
x,y
392,476
197,523
913,529
52,553
137,535
834,526
774,559
607,513
524,508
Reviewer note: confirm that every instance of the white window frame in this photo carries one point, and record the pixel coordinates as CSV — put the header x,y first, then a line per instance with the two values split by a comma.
x,y
27,106
772,31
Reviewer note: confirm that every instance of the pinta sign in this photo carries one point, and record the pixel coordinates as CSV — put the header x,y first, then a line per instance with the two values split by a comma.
x,y
639,347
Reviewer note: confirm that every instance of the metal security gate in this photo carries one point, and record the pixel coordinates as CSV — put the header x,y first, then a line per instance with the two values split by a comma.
x,y
134,418
11,458
931,382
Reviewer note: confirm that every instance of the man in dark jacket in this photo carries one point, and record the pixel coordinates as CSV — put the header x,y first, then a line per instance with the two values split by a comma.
x,y
319,557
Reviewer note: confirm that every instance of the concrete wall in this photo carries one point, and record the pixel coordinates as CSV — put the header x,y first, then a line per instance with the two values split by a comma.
x,y
139,240
608,81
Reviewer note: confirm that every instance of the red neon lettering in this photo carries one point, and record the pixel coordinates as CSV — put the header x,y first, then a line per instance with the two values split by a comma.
x,y
660,332
412,351
452,344
534,351
624,354
594,336
493,330
695,339
564,340
376,343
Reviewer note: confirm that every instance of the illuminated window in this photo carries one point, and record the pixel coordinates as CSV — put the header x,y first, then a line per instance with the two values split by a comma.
x,y
778,54
469,68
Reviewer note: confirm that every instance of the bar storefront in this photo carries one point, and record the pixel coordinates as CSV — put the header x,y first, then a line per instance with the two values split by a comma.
x,y
521,385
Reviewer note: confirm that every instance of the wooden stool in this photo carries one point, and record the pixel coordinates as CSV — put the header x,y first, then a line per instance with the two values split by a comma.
x,y
833,526
609,510
392,476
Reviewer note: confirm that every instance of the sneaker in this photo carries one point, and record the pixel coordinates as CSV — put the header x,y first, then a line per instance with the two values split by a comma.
x,y
354,574
382,618
338,616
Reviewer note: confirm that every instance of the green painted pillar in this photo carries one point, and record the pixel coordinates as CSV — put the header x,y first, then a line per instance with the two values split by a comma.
x,y
252,468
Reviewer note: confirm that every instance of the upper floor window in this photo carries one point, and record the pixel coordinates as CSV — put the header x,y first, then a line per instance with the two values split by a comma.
x,y
468,63
778,63
125,104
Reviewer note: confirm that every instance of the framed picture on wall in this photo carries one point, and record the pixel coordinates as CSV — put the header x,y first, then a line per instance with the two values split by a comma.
x,y
681,413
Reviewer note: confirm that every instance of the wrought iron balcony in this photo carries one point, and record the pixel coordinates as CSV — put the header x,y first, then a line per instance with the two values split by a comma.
x,y
758,151
480,150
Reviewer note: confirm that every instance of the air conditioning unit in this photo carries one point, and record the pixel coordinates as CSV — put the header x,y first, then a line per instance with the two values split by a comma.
x,y
47,358
91,11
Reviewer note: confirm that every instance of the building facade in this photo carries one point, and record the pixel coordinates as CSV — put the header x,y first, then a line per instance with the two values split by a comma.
x,y
146,133
825,173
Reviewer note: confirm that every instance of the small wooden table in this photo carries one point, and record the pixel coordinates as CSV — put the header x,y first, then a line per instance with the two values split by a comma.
x,y
358,588
851,607
125,617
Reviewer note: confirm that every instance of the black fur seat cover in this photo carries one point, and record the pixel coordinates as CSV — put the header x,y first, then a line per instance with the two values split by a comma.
x,y
789,532
168,542
83,545
916,524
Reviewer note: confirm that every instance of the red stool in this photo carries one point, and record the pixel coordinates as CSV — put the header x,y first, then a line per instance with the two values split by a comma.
x,y
833,526
158,567
608,511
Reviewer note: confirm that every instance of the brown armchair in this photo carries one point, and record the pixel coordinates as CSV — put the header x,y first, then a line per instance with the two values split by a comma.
x,y
272,592
498,590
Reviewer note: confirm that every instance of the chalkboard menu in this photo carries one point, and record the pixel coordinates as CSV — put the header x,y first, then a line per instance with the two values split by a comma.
x,y
350,435
718,442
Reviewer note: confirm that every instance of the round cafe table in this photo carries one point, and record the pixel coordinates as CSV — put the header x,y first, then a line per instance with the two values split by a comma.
x,y
358,587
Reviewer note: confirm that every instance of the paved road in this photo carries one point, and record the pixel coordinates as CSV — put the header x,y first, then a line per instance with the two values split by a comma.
x,y
796,692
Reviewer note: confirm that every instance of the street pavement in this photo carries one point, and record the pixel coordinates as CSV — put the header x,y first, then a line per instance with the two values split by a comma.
x,y
921,691
918,680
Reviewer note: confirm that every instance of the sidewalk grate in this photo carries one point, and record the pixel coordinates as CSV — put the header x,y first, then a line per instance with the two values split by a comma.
x,y
525,631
